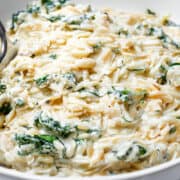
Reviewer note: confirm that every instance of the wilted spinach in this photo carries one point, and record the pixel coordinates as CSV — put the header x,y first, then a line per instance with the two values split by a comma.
x,y
161,35
42,81
52,126
16,20
133,152
124,95
5,108
42,144
33,9
150,12
2,88
52,4
162,79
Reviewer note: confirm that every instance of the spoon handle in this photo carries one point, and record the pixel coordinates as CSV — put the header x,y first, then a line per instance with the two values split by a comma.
x,y
3,42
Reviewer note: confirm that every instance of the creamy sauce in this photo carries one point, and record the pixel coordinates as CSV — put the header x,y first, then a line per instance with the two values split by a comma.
x,y
91,92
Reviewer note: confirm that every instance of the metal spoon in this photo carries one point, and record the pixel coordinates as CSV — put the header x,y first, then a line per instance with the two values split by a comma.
x,y
7,49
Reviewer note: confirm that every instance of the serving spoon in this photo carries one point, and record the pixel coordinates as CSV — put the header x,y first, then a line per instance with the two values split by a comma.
x,y
7,49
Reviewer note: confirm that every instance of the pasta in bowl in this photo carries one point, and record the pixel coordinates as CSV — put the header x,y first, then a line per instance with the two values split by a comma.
x,y
91,92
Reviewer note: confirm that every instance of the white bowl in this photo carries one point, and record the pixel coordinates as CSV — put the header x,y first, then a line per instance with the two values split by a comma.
x,y
166,171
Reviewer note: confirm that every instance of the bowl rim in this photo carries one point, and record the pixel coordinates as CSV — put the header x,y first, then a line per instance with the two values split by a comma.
x,y
137,174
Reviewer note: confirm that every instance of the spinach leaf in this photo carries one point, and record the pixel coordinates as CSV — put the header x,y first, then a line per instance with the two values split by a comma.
x,y
42,81
162,79
141,150
125,95
2,88
91,133
52,126
123,31
52,4
93,92
125,155
174,64
16,20
74,20
42,144
94,131
69,80
161,35
48,4
53,56
32,9
136,69
129,97
168,22
172,130
79,141
140,96
63,1
70,77
55,18
130,152
43,2
48,138
126,120
5,108
78,20
150,12
96,47
20,102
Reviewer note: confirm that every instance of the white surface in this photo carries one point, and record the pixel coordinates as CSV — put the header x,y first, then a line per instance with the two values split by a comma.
x,y
168,171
